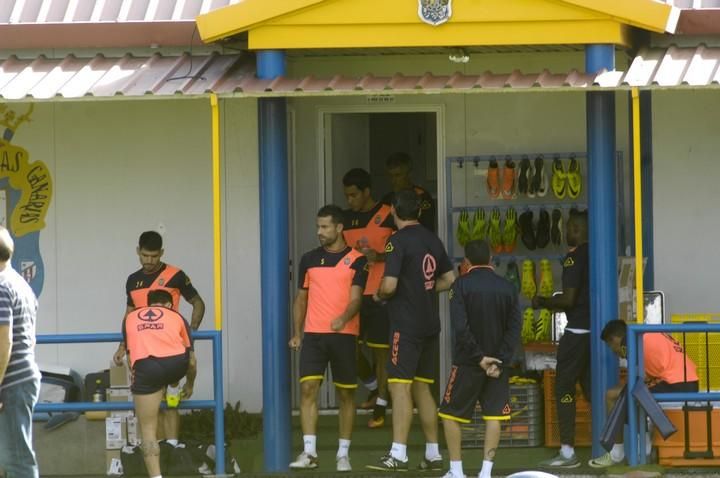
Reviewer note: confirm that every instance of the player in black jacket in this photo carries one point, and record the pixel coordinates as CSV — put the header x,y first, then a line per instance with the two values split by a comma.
x,y
486,327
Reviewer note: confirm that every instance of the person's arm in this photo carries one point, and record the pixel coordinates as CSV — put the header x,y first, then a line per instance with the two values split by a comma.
x,y
190,376
511,337
198,311
119,354
445,281
6,341
388,287
356,293
299,311
468,349
564,301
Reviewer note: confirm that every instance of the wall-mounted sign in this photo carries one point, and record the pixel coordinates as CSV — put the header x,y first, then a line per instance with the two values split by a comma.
x,y
25,194
380,99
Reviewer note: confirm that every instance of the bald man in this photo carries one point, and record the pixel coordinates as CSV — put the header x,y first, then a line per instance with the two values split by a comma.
x,y
19,373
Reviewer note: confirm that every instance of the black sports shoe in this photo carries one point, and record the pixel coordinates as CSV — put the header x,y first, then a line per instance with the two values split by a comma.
x,y
523,181
431,465
388,463
542,238
527,231
556,229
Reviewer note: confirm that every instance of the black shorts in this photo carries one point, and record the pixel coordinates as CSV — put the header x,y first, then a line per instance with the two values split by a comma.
x,y
413,358
152,374
679,387
467,385
337,349
374,324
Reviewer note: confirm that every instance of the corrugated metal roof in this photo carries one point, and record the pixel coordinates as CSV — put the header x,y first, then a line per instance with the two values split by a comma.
x,y
76,11
72,77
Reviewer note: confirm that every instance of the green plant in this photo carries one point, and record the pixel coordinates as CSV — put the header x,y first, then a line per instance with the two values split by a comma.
x,y
200,424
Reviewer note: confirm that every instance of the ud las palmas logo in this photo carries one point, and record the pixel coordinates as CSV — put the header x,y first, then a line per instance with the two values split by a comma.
x,y
25,194
435,12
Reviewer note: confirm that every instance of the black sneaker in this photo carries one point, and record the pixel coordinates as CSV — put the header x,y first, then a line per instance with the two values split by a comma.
x,y
542,238
525,173
431,465
388,463
527,230
556,229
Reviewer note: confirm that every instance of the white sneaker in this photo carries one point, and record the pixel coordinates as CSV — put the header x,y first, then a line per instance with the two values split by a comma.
x,y
304,461
450,474
343,463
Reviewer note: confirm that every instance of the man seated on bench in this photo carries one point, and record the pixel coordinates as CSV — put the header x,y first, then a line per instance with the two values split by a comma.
x,y
667,370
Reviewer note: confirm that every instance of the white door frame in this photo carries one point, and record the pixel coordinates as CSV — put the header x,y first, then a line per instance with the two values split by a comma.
x,y
325,190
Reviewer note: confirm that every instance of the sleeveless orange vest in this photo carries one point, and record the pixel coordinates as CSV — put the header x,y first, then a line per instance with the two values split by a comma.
x,y
155,332
139,296
373,236
329,296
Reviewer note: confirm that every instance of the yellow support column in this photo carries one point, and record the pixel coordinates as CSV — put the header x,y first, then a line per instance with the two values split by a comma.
x,y
217,224
637,180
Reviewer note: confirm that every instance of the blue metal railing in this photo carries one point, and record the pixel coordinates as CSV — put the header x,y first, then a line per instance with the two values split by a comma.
x,y
636,371
215,336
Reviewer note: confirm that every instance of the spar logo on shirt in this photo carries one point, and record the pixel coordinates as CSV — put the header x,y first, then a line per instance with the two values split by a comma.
x,y
150,318
429,266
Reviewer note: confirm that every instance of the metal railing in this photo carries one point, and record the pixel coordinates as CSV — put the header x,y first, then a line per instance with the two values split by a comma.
x,y
636,371
217,403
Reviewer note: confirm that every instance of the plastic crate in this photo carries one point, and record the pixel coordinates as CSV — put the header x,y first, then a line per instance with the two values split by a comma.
x,y
695,347
671,452
583,419
525,427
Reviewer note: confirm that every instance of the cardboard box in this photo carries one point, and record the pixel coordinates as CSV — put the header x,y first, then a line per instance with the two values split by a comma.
x,y
133,431
120,395
119,376
115,433
113,463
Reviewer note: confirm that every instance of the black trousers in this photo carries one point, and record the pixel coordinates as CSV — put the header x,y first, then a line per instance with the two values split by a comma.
x,y
573,366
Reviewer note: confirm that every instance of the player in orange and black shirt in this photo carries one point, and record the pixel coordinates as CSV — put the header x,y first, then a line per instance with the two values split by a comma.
x,y
368,226
155,274
573,354
416,269
326,307
399,166
159,348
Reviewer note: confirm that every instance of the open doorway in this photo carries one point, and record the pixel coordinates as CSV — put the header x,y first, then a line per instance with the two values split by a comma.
x,y
352,138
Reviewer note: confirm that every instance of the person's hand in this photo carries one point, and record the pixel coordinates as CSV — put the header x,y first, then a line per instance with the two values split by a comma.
x,y
337,325
493,371
488,361
370,254
294,342
119,356
187,391
537,302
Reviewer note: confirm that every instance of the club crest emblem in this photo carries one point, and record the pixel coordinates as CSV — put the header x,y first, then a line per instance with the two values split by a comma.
x,y
435,12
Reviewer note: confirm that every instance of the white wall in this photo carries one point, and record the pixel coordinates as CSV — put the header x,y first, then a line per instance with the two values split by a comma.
x,y
122,167
685,188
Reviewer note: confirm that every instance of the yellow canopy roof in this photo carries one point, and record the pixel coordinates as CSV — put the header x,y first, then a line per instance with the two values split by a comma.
x,y
286,24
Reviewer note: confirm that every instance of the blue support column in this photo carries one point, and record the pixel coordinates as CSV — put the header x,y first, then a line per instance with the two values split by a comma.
x,y
274,264
602,202
646,166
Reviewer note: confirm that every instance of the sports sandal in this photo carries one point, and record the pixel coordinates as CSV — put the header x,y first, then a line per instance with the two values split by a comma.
x,y
463,228
512,274
510,230
524,177
493,185
542,237
556,227
494,233
528,288
559,178
479,226
574,178
546,279
528,328
527,231
508,179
